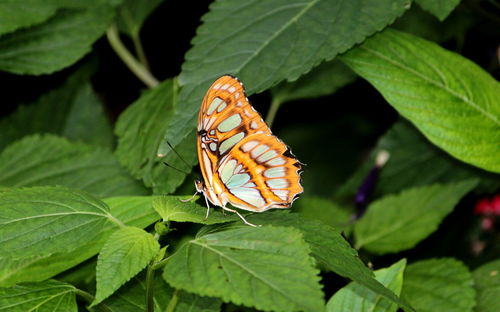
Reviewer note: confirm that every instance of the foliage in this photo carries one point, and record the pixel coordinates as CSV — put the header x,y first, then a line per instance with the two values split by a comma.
x,y
395,117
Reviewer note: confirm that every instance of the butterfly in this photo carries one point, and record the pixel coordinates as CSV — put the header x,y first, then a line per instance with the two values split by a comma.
x,y
241,161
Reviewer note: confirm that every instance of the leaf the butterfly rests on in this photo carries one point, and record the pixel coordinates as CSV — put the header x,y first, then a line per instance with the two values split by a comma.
x,y
242,162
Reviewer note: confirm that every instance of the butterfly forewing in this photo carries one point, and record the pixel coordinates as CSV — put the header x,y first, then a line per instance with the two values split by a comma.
x,y
242,162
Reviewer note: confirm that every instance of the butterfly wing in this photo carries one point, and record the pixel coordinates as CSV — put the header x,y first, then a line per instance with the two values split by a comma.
x,y
227,126
260,173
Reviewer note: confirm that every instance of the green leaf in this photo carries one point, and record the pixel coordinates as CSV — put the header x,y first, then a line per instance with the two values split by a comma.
x,y
487,285
132,14
39,221
133,211
323,80
439,285
330,249
451,100
170,208
18,14
265,42
266,268
47,296
55,44
440,8
413,161
50,160
126,253
140,131
398,222
72,110
422,24
356,297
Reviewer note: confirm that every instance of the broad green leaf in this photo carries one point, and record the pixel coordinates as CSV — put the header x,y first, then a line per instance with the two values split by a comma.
x,y
398,222
267,268
451,100
439,285
132,14
133,211
440,8
170,208
51,295
140,131
487,285
55,44
265,42
325,79
50,160
329,248
356,297
413,161
126,253
39,221
72,110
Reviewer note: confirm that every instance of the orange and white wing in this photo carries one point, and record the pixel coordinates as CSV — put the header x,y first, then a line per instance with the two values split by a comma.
x,y
260,173
240,159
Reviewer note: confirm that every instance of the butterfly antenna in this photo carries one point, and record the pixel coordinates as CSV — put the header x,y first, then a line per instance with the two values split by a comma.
x,y
178,155
177,169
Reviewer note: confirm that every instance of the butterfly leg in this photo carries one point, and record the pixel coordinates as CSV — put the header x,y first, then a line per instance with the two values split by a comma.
x,y
239,215
208,207
189,199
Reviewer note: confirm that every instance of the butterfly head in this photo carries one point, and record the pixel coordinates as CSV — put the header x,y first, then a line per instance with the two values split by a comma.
x,y
200,186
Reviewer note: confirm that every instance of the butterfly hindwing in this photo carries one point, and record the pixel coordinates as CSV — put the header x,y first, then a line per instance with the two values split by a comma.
x,y
259,175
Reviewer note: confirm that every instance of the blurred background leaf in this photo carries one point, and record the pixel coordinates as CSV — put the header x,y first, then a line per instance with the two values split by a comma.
x,y
414,161
398,222
50,160
439,285
356,297
440,8
72,110
56,43
487,285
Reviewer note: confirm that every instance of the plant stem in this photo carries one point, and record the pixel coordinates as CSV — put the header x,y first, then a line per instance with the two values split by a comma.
x,y
160,264
137,68
139,50
150,274
172,304
89,298
275,104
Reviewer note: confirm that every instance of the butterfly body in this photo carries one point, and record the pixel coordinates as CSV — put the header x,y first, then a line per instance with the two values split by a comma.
x,y
242,162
